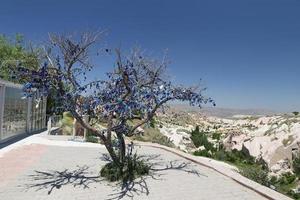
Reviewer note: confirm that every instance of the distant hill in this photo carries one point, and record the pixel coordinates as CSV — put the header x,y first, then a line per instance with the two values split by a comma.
x,y
222,112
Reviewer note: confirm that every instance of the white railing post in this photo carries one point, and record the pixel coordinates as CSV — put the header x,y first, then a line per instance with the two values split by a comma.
x,y
74,128
49,125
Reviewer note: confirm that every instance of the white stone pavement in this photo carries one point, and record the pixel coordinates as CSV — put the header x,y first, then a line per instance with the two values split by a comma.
x,y
69,170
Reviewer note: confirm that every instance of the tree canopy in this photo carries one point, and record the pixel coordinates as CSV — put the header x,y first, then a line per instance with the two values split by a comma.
x,y
15,52
134,90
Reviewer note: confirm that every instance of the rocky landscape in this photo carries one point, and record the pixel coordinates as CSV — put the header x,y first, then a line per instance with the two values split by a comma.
x,y
273,139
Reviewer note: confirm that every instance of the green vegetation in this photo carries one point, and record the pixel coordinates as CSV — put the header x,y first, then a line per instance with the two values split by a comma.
x,y
15,53
285,183
296,165
256,173
293,195
295,113
92,139
291,183
133,168
203,153
216,136
153,135
199,138
67,123
246,164
152,123
250,127
236,157
251,118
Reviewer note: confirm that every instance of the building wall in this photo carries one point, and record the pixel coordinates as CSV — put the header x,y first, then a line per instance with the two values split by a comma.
x,y
19,115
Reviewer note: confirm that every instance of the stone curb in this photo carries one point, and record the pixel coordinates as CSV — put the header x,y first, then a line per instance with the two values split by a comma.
x,y
224,169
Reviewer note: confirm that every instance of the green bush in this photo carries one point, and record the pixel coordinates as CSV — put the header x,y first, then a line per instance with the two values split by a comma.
x,y
273,180
284,179
296,166
220,155
155,136
292,194
67,123
203,153
133,167
287,178
200,139
152,123
92,139
285,183
163,140
256,173
111,172
216,136
240,157
234,156
295,113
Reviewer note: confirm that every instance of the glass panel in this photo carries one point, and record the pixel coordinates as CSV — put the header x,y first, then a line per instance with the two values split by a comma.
x,y
15,113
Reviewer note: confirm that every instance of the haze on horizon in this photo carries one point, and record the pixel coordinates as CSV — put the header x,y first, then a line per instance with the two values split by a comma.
x,y
246,52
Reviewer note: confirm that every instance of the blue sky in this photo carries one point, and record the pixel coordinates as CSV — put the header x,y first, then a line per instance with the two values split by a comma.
x,y
247,52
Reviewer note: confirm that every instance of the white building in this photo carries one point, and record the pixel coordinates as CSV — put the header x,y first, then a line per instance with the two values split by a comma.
x,y
19,115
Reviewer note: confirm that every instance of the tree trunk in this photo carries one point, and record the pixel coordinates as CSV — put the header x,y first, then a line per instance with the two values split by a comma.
x,y
109,147
112,153
122,148
119,160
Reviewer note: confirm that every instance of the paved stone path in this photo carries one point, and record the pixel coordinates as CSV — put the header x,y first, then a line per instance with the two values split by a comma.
x,y
49,172
18,160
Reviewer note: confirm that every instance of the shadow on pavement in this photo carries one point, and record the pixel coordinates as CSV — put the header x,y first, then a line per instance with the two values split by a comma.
x,y
56,179
50,180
